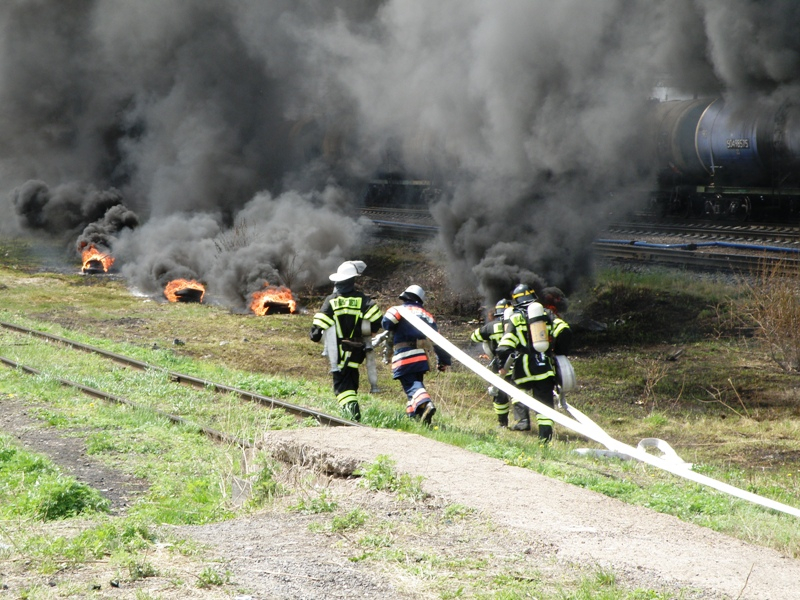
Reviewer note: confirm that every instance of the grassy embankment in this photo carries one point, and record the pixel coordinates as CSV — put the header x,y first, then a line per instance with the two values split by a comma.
x,y
668,366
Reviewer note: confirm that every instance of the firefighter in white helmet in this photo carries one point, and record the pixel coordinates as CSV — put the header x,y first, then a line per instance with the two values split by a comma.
x,y
342,313
410,361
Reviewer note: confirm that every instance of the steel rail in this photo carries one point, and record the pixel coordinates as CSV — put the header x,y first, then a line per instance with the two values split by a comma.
x,y
419,214
744,263
783,234
95,393
420,222
320,417
406,229
628,250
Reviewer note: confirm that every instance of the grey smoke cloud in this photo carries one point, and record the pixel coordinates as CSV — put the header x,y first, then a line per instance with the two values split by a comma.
x,y
753,45
205,115
266,244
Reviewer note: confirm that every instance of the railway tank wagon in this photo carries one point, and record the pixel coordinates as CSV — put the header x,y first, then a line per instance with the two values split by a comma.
x,y
728,159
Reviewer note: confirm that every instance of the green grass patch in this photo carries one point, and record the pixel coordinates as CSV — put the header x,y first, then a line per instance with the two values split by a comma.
x,y
322,503
382,476
350,521
264,484
32,486
210,577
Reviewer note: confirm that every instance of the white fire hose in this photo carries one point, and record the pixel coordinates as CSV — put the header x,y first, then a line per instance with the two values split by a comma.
x,y
585,426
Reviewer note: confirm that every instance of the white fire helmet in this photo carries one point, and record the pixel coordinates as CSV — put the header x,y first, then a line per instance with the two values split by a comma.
x,y
348,270
413,290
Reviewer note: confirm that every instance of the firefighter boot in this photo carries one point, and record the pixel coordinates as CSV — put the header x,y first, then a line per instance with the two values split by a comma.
x,y
522,414
501,410
427,413
545,433
352,411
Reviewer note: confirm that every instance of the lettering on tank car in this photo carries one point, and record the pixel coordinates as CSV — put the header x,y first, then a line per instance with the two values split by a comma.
x,y
738,144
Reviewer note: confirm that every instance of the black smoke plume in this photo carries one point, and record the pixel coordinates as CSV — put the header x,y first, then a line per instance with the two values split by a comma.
x,y
95,216
531,115
103,232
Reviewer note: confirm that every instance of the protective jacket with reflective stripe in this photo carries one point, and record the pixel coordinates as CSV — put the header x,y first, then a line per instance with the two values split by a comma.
x,y
344,312
529,365
491,333
561,336
408,358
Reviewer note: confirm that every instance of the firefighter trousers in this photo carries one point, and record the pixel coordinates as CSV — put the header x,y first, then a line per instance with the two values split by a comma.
x,y
542,391
416,393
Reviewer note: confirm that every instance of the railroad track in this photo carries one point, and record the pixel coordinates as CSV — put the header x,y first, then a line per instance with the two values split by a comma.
x,y
743,248
740,247
687,258
402,222
754,233
175,377
399,214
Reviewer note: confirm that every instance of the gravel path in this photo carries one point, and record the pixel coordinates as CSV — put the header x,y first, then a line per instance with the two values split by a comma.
x,y
577,525
521,516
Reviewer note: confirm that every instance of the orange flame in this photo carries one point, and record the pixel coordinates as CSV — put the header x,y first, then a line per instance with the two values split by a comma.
x,y
272,296
93,259
175,290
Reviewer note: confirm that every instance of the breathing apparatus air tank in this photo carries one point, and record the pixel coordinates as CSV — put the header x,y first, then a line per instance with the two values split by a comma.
x,y
537,327
330,348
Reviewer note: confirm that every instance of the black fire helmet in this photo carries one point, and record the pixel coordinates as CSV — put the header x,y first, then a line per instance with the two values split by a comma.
x,y
522,295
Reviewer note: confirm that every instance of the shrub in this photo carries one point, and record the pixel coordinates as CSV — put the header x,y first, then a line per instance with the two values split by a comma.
x,y
773,306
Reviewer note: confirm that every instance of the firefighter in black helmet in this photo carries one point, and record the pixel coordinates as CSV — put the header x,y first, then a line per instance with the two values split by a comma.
x,y
341,316
522,296
490,335
554,300
533,370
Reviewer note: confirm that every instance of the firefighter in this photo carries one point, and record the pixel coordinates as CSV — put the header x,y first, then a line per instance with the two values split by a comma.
x,y
555,303
340,317
553,300
490,335
409,360
533,370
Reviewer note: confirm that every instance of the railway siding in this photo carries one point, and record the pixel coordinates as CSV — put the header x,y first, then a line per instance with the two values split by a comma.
x,y
104,375
735,247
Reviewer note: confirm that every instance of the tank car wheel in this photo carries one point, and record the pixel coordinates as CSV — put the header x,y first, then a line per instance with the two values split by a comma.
x,y
711,209
740,209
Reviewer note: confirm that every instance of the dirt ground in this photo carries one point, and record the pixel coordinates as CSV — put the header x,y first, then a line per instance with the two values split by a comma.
x,y
521,519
